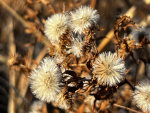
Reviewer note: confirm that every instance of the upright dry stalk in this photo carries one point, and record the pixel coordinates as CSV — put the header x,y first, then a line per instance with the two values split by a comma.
x,y
23,82
12,78
126,108
93,3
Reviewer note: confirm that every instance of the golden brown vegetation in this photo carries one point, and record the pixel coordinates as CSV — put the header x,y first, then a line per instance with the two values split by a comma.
x,y
23,45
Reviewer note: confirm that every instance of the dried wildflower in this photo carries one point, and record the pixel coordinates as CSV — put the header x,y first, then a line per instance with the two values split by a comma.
x,y
109,68
55,26
141,95
76,47
45,80
62,102
83,18
36,107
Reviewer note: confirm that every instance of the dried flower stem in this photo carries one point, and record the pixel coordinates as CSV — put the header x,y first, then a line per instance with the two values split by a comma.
x,y
12,72
93,3
89,88
74,65
129,109
41,55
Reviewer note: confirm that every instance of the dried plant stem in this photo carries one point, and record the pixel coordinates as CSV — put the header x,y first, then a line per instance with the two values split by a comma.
x,y
24,23
74,65
93,107
110,34
87,91
129,109
106,40
12,74
41,55
23,82
93,3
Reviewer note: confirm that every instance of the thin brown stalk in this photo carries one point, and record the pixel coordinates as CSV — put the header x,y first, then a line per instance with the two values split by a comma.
x,y
126,108
12,73
23,81
93,3
87,91
75,65
41,55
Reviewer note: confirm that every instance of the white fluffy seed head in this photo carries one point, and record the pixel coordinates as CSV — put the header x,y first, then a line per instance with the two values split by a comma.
x,y
83,18
45,80
55,26
109,68
76,47
141,96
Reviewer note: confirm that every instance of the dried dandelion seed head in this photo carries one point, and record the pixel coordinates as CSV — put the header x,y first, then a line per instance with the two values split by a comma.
x,y
109,68
55,26
76,47
62,102
141,96
45,80
83,18
36,107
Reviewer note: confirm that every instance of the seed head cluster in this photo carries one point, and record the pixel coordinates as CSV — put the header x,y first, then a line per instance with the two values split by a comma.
x,y
59,76
79,20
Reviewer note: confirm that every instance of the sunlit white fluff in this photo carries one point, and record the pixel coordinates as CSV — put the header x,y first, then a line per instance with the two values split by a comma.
x,y
109,68
55,26
141,96
36,107
83,18
45,80
76,47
